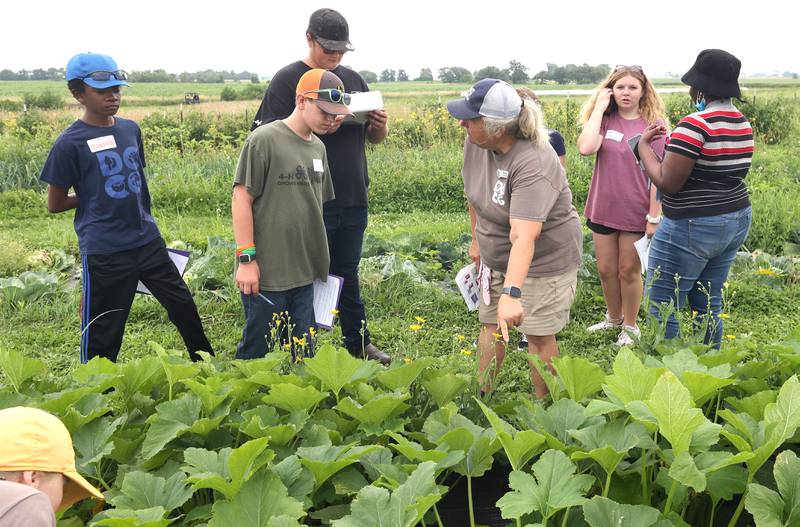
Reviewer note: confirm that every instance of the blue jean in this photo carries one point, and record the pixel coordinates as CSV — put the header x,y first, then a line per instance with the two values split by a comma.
x,y
689,260
267,317
345,227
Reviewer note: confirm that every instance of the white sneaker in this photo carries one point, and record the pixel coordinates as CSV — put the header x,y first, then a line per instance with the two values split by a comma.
x,y
628,336
607,323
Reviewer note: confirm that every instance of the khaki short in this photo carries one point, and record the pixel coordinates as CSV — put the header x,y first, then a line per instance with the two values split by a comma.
x,y
545,302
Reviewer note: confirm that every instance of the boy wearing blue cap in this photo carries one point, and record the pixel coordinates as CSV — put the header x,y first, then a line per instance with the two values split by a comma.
x,y
101,157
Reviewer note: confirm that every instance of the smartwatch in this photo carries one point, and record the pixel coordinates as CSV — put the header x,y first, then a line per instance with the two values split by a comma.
x,y
246,258
513,292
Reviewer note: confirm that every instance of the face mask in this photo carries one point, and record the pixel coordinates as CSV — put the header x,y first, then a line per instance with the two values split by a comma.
x,y
701,102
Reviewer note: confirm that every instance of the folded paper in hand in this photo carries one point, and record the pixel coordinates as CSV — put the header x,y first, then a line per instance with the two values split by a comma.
x,y
643,250
361,103
467,282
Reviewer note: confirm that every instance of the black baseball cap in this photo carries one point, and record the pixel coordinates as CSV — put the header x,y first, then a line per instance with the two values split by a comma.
x,y
330,29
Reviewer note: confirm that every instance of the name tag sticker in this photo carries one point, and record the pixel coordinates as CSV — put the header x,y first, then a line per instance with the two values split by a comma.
x,y
101,143
614,135
318,165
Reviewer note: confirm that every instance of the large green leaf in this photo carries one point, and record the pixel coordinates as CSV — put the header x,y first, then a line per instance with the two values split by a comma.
x,y
212,391
405,507
444,387
142,490
290,397
401,377
553,486
176,368
259,503
94,442
673,407
326,460
580,377
414,452
18,368
684,471
727,482
556,421
246,460
755,404
376,410
782,508
173,419
608,443
153,517
519,447
264,421
631,380
334,367
298,480
603,512
781,421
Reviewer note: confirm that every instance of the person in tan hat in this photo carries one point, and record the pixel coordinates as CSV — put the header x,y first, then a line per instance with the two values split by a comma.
x,y
37,468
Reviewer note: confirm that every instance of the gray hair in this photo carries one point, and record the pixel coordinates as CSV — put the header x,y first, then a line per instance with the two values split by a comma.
x,y
529,124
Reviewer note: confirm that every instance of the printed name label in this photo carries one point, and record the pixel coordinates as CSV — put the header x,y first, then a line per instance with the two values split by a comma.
x,y
318,165
614,135
101,143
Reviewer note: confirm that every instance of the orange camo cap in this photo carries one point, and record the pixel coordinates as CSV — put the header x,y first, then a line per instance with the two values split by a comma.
x,y
32,439
319,85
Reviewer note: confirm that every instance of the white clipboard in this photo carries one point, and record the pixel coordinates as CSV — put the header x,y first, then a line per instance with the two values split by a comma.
x,y
179,258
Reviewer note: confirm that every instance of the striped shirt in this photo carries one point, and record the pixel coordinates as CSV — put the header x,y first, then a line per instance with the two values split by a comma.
x,y
720,140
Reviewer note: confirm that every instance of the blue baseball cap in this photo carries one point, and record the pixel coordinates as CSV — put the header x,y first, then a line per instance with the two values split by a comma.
x,y
84,64
491,98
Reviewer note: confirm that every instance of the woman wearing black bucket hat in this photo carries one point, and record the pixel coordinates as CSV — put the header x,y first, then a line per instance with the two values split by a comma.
x,y
706,207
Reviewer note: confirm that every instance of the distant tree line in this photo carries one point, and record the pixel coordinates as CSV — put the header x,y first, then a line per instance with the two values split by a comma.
x,y
516,73
136,76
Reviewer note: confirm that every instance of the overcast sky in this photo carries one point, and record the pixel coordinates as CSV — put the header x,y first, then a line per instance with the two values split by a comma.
x,y
262,36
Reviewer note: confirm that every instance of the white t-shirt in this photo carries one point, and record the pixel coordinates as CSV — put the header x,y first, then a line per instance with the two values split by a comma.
x,y
24,506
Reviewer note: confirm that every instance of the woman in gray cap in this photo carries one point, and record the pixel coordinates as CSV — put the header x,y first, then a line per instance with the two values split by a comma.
x,y
706,207
526,235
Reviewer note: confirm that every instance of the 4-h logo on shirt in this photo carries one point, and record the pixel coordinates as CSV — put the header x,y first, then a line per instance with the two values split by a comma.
x,y
120,182
499,195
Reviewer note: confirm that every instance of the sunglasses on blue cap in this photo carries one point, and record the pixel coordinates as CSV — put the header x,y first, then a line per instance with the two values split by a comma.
x,y
102,76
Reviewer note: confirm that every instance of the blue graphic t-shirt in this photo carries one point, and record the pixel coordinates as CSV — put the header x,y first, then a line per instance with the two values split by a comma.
x,y
105,166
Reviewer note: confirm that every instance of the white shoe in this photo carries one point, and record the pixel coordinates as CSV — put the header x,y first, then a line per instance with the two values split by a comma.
x,y
607,323
628,336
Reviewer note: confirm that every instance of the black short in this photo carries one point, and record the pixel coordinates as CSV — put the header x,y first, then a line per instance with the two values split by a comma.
x,y
602,229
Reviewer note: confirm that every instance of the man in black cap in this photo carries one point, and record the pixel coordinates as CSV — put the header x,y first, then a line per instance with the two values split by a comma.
x,y
328,39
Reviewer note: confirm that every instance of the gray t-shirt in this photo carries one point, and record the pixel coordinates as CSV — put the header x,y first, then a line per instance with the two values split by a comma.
x,y
289,180
24,506
526,183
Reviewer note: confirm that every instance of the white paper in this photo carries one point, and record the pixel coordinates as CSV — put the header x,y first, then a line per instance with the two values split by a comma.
x,y
179,258
467,282
614,135
643,250
361,104
326,298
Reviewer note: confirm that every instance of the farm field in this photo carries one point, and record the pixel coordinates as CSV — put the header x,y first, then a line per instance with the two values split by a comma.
x,y
668,431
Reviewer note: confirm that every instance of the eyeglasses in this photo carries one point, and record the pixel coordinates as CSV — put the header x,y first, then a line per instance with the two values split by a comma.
x,y
334,95
632,67
102,76
331,51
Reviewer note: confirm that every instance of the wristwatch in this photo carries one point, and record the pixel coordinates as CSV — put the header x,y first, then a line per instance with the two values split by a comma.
x,y
513,292
246,258
655,220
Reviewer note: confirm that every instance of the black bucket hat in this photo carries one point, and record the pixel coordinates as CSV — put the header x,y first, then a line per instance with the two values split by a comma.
x,y
715,72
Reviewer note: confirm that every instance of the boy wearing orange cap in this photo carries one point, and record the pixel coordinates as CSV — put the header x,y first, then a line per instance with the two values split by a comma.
x,y
282,180
37,468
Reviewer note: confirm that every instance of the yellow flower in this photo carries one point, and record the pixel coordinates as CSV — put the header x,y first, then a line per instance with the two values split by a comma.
x,y
724,315
334,311
466,352
730,337
766,272
461,338
497,336
725,285
694,313
406,360
287,346
414,327
299,342
298,359
312,332
420,320
278,323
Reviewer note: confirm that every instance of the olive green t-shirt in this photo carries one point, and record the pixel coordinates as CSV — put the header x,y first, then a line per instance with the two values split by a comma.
x,y
289,180
526,183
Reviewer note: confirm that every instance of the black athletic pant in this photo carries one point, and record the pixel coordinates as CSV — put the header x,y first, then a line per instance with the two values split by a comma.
x,y
109,285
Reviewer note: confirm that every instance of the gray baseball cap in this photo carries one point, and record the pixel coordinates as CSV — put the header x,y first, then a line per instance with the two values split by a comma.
x,y
330,29
491,98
